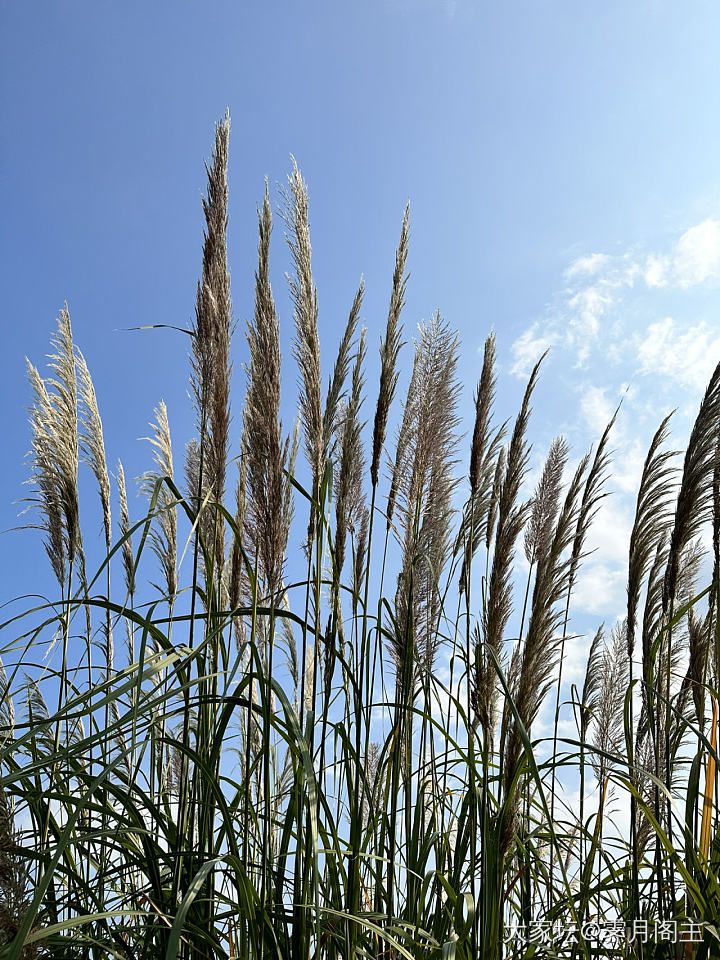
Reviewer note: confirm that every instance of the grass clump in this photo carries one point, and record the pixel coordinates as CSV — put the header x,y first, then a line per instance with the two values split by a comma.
x,y
274,762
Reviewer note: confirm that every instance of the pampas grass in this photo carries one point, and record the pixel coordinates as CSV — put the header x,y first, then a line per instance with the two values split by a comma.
x,y
318,743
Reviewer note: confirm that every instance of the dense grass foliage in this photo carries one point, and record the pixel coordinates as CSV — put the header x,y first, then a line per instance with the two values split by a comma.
x,y
291,712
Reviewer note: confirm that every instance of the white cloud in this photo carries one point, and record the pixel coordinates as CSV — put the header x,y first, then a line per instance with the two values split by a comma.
x,y
694,259
596,408
686,355
596,318
600,588
587,266
627,467
587,308
602,581
656,269
528,348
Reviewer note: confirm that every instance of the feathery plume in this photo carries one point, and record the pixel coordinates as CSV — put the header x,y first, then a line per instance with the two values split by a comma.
x,y
390,349
93,445
699,632
423,466
55,450
211,367
483,459
539,653
336,386
592,682
608,734
651,521
351,469
534,661
360,556
264,449
695,499
498,480
163,533
236,565
545,503
127,554
306,346
484,398
511,517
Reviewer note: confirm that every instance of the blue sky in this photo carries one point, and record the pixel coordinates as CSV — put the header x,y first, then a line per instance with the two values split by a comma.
x,y
561,160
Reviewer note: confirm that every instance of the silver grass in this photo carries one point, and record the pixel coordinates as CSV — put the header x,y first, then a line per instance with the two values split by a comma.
x,y
498,480
652,516
690,640
695,498
196,488
55,451
545,502
306,345
126,550
93,444
163,532
483,463
264,448
349,503
534,661
608,735
237,574
404,437
427,446
511,517
484,398
211,366
592,683
390,349
361,543
699,630
288,500
45,475
531,676
336,387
